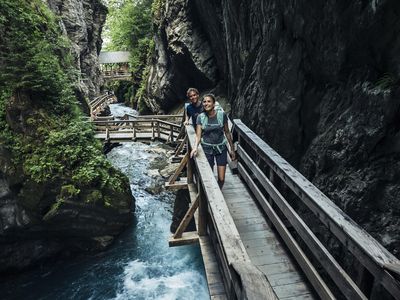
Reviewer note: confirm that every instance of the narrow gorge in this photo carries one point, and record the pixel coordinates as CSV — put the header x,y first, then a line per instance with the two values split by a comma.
x,y
319,82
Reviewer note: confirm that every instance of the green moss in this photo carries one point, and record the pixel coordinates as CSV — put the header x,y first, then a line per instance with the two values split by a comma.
x,y
69,192
53,210
94,197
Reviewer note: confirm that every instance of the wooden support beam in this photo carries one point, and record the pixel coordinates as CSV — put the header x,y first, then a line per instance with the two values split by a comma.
x,y
187,218
180,146
187,238
179,169
180,185
177,159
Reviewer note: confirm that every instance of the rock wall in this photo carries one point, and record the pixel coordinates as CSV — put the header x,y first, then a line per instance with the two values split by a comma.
x,y
182,57
319,81
82,22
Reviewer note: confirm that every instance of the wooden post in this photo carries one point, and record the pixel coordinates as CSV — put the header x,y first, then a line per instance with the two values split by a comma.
x,y
107,134
133,132
189,171
152,131
172,132
272,178
202,223
158,130
365,281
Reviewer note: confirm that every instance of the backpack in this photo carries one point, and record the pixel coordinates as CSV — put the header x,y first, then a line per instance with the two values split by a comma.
x,y
204,122
220,118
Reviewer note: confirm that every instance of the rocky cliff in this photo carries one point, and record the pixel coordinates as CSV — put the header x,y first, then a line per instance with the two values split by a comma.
x,y
319,81
82,22
58,193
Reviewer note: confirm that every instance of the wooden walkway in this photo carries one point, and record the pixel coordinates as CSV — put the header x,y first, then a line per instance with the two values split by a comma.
x,y
254,243
262,244
262,247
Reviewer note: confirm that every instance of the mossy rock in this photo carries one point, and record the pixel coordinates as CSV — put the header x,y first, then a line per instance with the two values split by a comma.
x,y
30,195
92,196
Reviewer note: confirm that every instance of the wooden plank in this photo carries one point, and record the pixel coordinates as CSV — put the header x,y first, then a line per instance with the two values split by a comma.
x,y
180,185
216,289
257,235
212,271
249,220
285,278
262,242
347,286
291,290
187,238
311,273
363,246
277,268
253,227
300,297
270,258
274,248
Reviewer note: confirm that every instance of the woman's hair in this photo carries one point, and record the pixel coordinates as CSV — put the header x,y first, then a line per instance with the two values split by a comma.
x,y
210,96
192,90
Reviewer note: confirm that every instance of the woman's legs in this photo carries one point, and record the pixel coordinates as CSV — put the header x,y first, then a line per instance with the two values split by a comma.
x,y
221,167
221,175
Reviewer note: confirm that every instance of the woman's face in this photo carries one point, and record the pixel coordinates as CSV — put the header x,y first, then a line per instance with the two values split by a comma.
x,y
193,97
208,104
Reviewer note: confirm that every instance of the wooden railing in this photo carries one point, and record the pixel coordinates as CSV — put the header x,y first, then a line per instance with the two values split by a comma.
x,y
242,280
99,103
146,128
270,180
177,119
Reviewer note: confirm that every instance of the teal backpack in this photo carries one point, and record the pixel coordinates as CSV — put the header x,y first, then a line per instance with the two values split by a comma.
x,y
204,122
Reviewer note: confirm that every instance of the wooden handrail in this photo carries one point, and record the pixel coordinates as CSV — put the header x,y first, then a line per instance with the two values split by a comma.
x,y
371,254
155,116
238,268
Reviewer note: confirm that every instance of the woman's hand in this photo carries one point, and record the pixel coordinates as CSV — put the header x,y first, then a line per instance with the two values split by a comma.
x,y
193,153
232,155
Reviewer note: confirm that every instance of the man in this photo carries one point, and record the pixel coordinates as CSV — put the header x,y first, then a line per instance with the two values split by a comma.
x,y
194,108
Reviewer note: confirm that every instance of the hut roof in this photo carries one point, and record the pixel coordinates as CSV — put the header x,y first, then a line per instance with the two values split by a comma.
x,y
108,57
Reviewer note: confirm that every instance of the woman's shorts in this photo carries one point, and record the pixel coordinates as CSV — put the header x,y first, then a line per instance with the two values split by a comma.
x,y
221,159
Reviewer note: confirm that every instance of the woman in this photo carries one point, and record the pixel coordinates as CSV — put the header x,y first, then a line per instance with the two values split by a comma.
x,y
212,132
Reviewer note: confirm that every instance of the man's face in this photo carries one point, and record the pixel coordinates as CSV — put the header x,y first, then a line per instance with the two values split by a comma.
x,y
193,97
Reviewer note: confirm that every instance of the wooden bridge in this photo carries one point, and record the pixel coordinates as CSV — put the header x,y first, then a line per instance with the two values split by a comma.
x,y
98,104
139,128
254,238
